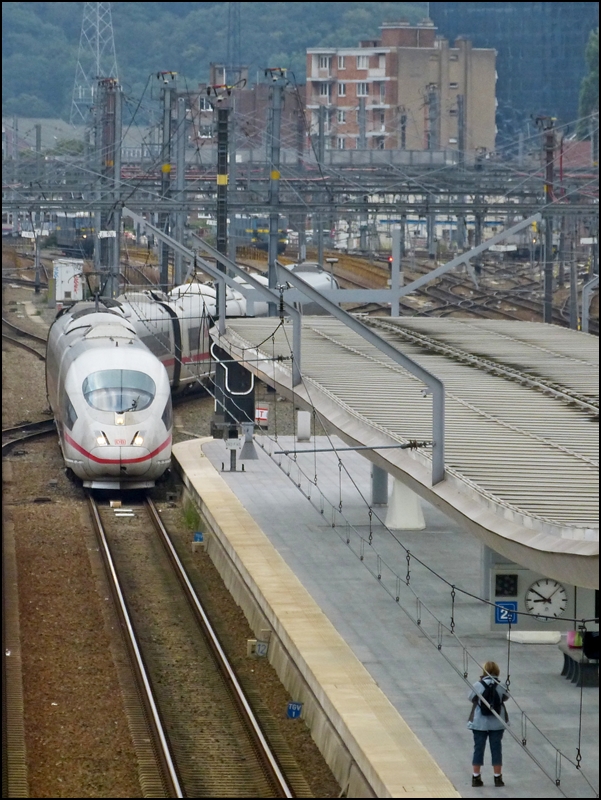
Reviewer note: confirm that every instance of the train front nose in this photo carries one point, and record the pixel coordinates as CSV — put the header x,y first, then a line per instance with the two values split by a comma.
x,y
120,461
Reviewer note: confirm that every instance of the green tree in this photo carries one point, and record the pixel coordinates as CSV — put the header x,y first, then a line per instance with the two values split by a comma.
x,y
589,88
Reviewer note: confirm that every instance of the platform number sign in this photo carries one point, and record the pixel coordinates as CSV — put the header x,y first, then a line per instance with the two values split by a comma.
x,y
261,648
294,710
506,612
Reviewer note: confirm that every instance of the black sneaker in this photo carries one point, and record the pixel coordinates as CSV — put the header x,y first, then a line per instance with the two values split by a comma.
x,y
477,780
499,780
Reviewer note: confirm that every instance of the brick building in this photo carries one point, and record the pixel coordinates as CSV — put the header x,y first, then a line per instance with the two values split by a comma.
x,y
407,90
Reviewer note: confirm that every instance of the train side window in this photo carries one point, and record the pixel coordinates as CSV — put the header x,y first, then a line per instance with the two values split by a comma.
x,y
194,339
158,343
70,414
167,416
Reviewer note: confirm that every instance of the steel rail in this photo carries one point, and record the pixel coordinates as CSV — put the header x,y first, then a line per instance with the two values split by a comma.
x,y
145,690
260,742
24,346
29,430
23,332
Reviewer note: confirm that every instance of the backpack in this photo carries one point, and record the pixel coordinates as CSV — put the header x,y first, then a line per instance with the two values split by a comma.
x,y
492,697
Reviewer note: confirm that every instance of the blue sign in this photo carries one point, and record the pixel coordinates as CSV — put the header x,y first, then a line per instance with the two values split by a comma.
x,y
198,537
294,710
505,612
261,648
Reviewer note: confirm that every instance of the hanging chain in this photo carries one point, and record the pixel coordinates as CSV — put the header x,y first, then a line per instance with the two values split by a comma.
x,y
408,575
379,568
370,538
465,663
453,609
578,753
508,681
314,447
398,589
275,399
340,486
558,767
524,736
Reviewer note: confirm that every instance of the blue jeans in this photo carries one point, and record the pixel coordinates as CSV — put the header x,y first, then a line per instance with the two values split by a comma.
x,y
495,747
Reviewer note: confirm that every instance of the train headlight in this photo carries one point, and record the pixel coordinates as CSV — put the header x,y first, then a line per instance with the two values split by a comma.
x,y
102,439
138,440
119,419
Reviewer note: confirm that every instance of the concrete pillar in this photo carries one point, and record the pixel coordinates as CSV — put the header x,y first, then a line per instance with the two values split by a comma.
x,y
487,561
303,426
379,486
404,509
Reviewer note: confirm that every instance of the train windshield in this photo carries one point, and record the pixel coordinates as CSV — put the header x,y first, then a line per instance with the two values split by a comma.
x,y
119,390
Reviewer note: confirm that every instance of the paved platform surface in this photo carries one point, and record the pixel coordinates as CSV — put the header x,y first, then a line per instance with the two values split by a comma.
x,y
424,683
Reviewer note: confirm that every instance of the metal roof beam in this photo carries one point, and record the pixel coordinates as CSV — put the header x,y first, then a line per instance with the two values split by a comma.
x,y
435,385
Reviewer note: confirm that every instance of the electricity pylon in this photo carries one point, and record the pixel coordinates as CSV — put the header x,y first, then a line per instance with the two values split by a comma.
x,y
96,58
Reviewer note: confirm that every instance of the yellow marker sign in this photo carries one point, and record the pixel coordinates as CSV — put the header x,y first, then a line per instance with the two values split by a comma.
x,y
166,168
274,175
222,180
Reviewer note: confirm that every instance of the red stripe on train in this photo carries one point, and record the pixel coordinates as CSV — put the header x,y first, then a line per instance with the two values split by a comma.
x,y
89,455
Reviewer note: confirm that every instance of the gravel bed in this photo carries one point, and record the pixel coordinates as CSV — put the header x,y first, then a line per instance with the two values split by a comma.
x,y
77,736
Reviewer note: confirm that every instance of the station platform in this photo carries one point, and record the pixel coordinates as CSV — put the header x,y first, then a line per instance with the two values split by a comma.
x,y
385,698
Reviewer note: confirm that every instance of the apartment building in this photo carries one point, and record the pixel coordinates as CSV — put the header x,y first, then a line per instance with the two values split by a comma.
x,y
407,90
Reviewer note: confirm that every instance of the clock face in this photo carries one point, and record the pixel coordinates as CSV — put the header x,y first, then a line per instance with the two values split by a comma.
x,y
547,597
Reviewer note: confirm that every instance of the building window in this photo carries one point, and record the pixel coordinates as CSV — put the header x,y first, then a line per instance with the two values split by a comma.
x,y
324,62
381,60
325,90
453,112
362,62
382,93
341,62
342,116
340,142
362,90
380,143
453,86
453,57
342,90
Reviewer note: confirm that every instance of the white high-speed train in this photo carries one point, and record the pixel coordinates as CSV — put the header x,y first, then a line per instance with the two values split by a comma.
x,y
110,397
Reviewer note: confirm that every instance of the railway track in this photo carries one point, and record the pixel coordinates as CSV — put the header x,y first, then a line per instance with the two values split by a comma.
x,y
211,744
38,340
454,293
25,431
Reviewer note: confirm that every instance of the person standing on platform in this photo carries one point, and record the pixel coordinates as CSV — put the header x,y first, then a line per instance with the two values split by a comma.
x,y
484,725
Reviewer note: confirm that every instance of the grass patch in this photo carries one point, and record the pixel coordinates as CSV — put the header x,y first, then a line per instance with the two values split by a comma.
x,y
192,517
